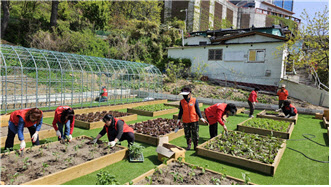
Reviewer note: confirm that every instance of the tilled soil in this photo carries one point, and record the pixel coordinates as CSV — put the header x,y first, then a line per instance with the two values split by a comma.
x,y
98,116
50,158
4,130
156,127
182,174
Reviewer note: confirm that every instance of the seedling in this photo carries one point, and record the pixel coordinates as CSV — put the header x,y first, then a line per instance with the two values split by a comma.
x,y
165,160
180,159
246,177
136,150
177,176
44,165
204,168
68,161
130,183
25,163
192,173
14,177
105,178
149,180
57,155
158,171
41,151
215,181
7,151
66,147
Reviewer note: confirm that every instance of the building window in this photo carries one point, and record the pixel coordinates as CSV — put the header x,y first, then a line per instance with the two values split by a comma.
x,y
215,54
256,56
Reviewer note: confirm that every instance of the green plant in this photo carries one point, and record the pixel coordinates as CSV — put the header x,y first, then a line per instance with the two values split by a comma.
x,y
177,176
165,160
105,178
25,163
14,177
246,177
149,180
204,168
44,166
57,155
68,161
153,108
136,150
215,181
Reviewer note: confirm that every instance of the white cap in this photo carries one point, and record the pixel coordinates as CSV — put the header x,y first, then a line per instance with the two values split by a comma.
x,y
283,85
184,93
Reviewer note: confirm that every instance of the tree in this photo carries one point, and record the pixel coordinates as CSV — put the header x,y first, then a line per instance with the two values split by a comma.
x,y
55,5
5,18
314,37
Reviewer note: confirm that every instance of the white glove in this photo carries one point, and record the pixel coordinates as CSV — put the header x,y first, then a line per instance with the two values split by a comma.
x,y
225,128
178,122
287,116
94,141
70,137
111,144
203,120
58,134
22,145
278,110
35,137
254,103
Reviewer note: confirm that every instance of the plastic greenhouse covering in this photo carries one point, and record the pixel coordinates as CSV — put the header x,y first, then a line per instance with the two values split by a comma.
x,y
41,78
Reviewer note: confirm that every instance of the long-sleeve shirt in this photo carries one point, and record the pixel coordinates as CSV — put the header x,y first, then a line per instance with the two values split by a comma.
x,y
19,129
215,113
282,94
196,106
57,118
120,126
253,97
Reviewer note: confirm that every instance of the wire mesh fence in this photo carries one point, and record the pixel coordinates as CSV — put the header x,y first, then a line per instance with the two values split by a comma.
x,y
41,78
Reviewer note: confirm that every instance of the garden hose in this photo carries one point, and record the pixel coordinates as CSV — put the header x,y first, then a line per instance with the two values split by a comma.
x,y
306,138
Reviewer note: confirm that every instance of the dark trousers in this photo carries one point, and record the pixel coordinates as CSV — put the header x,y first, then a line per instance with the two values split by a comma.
x,y
280,103
128,136
251,108
287,112
213,131
11,135
192,130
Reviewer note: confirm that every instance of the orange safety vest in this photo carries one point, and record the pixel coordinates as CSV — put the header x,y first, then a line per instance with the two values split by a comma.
x,y
105,93
282,95
14,117
215,113
288,108
189,113
126,127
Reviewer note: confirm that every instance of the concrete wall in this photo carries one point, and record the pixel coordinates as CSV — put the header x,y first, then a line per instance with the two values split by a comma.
x,y
238,71
306,93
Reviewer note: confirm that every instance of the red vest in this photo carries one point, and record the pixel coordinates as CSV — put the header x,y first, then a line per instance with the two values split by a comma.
x,y
105,92
215,112
189,113
252,97
289,108
126,127
14,117
58,112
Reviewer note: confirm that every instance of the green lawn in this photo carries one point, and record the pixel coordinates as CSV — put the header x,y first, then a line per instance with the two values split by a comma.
x,y
294,168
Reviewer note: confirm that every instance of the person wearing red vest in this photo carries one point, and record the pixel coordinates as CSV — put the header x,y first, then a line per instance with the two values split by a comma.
x,y
117,130
252,100
64,115
288,109
190,111
30,118
103,94
282,96
215,113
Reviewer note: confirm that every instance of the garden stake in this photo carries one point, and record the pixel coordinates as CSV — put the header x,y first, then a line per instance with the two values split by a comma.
x,y
22,152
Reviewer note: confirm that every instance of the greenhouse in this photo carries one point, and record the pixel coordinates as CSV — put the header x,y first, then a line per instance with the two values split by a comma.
x,y
41,78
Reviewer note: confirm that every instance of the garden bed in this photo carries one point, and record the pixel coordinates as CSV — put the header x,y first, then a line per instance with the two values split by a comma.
x,y
279,116
94,120
46,131
182,173
175,116
325,122
264,126
176,104
153,110
55,163
150,131
259,153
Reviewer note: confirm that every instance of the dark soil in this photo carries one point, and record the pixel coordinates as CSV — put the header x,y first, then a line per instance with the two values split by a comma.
x,y
4,130
50,158
97,116
182,174
156,127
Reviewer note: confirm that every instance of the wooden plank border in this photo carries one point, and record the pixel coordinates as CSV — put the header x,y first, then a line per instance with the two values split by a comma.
x,y
74,172
262,114
325,122
150,172
268,169
152,114
265,132
99,124
152,140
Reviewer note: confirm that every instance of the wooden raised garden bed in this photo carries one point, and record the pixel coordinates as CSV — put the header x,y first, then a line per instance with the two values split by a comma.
x,y
271,115
284,130
5,118
46,131
152,113
176,104
150,131
94,120
56,163
182,173
245,150
325,122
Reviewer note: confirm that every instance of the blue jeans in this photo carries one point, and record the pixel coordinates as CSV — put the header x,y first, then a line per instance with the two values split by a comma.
x,y
66,129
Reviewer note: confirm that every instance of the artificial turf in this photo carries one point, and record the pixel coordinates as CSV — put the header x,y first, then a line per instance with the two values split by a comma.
x,y
293,169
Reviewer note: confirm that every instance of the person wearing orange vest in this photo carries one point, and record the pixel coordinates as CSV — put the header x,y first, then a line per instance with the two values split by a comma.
x,y
282,96
117,130
216,113
64,115
288,109
30,118
252,100
103,94
190,111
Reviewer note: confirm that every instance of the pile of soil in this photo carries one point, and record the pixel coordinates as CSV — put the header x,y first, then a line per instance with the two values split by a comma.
x,y
156,127
97,116
50,158
4,130
182,174
208,90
